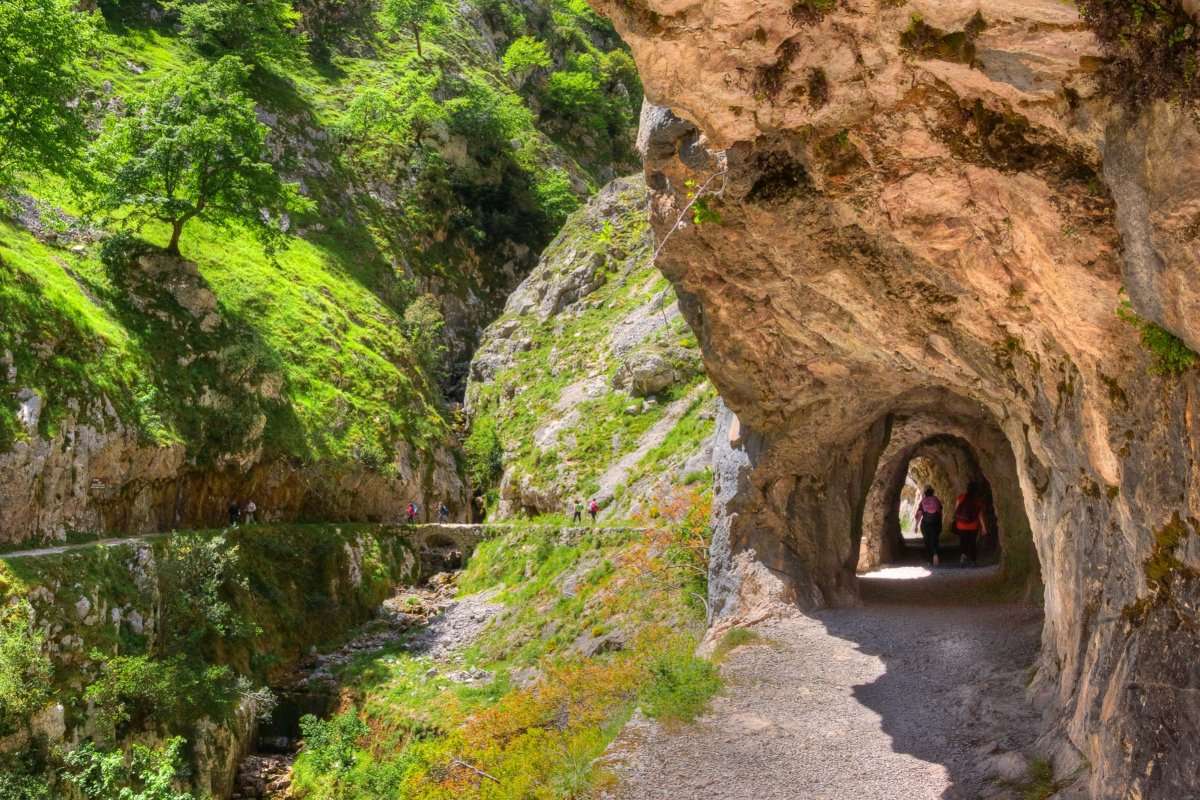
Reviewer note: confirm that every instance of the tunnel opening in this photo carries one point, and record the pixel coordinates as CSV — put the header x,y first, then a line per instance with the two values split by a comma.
x,y
947,465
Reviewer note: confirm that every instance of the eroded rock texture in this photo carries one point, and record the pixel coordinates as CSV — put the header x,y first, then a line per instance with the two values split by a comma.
x,y
925,224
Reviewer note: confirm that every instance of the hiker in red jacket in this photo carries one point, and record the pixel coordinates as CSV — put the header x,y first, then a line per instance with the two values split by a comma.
x,y
968,522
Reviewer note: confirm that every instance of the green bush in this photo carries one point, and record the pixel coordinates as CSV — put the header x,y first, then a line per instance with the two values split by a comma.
x,y
197,575
485,454
260,31
145,774
25,669
132,691
41,126
424,327
526,55
331,745
1170,356
681,684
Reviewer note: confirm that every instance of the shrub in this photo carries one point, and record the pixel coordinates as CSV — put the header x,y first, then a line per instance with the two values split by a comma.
x,y
485,454
25,669
197,573
681,683
525,56
145,774
41,126
424,327
134,690
1170,356
331,745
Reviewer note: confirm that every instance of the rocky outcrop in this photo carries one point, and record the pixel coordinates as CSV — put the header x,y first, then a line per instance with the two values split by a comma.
x,y
926,215
590,377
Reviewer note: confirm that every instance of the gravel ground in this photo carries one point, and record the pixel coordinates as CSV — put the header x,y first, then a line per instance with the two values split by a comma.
x,y
918,694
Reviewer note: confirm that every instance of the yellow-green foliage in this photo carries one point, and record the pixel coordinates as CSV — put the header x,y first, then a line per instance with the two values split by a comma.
x,y
536,728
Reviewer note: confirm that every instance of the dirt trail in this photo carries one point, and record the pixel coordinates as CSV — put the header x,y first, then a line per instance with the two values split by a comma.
x,y
917,695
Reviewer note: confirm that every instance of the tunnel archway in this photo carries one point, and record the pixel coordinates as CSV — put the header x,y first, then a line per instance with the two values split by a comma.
x,y
947,463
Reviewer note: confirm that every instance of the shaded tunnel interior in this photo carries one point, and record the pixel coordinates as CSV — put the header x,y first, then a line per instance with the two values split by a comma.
x,y
945,463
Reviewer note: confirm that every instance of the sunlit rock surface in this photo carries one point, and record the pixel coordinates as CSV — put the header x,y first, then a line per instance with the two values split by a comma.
x,y
929,216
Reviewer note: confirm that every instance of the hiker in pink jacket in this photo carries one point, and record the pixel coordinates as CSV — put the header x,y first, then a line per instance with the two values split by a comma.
x,y
929,522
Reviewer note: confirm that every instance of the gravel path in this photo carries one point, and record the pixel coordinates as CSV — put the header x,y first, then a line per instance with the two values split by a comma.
x,y
918,694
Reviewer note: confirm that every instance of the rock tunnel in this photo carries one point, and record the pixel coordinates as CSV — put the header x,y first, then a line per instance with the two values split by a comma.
x,y
902,250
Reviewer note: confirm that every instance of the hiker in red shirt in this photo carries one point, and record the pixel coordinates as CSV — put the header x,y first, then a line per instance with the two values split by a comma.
x,y
968,522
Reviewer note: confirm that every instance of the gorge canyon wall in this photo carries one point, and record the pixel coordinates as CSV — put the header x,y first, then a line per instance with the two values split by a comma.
x,y
913,220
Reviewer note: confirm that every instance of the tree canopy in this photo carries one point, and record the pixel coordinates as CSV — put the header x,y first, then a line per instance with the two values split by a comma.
x,y
412,16
191,146
41,43
260,31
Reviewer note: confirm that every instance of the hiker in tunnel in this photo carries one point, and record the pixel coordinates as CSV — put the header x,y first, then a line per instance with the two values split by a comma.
x,y
929,521
969,522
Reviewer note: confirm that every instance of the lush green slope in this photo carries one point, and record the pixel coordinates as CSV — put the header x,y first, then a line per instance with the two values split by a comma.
x,y
590,384
313,355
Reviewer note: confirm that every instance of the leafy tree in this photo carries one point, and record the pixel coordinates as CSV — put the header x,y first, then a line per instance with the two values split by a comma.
x,y
387,124
260,31
413,16
526,55
132,690
424,326
191,146
25,669
146,774
196,575
41,44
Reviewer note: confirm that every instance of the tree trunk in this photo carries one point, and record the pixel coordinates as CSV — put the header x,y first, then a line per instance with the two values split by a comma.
x,y
417,36
173,245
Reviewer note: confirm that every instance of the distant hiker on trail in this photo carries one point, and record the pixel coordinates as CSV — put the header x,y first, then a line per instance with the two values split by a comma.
x,y
411,513
577,517
593,509
250,509
234,514
968,522
929,522
443,513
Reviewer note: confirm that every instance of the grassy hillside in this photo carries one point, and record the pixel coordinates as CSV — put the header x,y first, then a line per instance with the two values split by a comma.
x,y
313,355
590,383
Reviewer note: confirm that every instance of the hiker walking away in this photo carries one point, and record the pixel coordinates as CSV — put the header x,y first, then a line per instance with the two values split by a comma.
x,y
411,513
929,522
443,513
577,517
968,522
593,509
250,509
234,514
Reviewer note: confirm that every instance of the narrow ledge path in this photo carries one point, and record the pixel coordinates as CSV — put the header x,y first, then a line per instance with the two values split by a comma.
x,y
918,694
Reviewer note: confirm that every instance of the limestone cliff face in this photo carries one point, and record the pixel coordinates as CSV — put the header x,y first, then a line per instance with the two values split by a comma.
x,y
927,215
